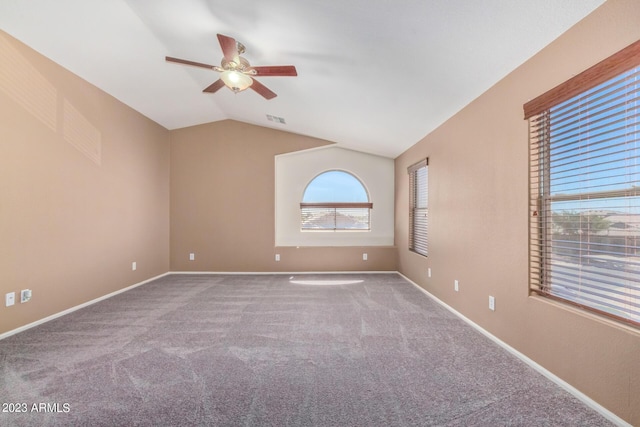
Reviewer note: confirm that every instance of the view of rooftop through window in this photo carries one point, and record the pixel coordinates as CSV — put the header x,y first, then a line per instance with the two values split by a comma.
x,y
589,178
335,200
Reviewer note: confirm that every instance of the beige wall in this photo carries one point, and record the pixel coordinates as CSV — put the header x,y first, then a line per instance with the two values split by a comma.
x,y
478,183
84,189
222,204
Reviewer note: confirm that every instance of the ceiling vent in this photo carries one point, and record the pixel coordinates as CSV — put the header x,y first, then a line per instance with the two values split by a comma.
x,y
276,119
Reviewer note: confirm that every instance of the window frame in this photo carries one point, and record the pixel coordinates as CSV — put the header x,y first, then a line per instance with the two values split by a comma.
x,y
541,113
419,215
336,207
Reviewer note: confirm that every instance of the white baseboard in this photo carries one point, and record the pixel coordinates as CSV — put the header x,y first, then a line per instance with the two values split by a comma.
x,y
77,307
557,380
273,273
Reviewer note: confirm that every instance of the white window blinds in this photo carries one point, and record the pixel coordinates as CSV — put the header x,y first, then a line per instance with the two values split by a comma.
x,y
336,216
585,189
418,207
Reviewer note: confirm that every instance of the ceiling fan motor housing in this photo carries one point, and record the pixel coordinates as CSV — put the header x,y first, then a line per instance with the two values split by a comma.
x,y
243,66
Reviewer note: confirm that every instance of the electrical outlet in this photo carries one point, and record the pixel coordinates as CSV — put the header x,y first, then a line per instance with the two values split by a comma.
x,y
134,266
277,257
10,299
492,303
25,295
455,286
429,272
364,256
192,256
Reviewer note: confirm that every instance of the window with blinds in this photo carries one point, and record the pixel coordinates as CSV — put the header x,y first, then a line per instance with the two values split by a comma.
x,y
418,207
585,189
335,200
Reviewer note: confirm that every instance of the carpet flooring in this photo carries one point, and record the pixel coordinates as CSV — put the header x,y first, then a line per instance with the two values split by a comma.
x,y
268,350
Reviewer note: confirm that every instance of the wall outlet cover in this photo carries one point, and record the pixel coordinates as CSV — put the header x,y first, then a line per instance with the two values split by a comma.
x,y
10,299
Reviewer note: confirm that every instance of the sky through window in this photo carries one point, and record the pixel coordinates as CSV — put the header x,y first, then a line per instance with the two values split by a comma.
x,y
335,186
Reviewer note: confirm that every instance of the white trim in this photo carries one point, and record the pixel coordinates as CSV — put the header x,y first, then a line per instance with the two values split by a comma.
x,y
77,307
263,273
551,376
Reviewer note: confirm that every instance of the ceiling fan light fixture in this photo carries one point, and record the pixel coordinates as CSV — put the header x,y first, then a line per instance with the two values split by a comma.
x,y
235,80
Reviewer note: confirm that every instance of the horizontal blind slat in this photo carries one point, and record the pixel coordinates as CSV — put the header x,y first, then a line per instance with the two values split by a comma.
x,y
319,218
418,207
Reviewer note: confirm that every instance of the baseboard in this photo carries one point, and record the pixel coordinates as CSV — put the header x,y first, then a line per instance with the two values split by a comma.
x,y
551,376
77,307
263,273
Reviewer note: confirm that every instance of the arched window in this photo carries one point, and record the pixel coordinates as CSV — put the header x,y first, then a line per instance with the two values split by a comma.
x,y
335,200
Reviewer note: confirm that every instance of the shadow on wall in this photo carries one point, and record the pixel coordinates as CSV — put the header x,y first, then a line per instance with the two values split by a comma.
x,y
22,82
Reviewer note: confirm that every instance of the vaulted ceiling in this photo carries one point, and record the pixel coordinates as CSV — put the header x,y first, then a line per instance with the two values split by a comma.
x,y
373,75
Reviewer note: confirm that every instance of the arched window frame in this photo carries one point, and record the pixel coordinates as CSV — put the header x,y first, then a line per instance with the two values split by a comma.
x,y
335,210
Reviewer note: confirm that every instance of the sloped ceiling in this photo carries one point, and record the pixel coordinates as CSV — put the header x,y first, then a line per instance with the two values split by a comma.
x,y
373,75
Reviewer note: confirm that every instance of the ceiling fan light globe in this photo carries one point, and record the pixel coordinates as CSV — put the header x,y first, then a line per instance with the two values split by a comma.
x,y
235,80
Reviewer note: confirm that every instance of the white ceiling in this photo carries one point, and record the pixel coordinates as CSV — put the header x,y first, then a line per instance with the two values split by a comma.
x,y
373,75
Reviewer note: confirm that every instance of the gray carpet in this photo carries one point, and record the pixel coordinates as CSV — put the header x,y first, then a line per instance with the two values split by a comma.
x,y
262,351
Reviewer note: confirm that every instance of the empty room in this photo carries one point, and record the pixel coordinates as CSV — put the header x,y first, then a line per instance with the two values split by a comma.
x,y
320,213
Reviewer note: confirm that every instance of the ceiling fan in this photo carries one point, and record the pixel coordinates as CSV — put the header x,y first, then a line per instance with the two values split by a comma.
x,y
236,73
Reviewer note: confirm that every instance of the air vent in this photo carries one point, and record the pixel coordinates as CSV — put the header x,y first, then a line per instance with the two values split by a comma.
x,y
276,119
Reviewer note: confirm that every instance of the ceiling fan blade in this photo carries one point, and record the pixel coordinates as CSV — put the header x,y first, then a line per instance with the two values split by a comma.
x,y
276,70
262,89
214,87
229,48
185,62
